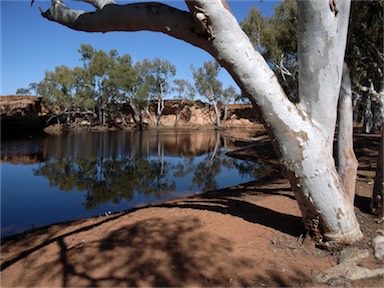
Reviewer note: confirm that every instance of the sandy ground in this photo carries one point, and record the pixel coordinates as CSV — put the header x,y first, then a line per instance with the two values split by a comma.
x,y
247,235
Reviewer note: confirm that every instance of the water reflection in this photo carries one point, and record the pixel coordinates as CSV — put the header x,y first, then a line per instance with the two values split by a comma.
x,y
115,171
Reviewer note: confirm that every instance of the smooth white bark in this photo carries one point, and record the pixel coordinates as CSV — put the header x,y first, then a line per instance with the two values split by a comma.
x,y
322,36
149,16
302,139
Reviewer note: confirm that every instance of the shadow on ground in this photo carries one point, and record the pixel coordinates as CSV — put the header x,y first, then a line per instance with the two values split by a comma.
x,y
153,251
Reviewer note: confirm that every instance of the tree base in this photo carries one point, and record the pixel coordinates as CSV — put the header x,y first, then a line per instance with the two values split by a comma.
x,y
346,238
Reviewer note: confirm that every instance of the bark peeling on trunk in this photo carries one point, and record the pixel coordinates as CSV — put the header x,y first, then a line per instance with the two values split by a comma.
x,y
302,133
347,161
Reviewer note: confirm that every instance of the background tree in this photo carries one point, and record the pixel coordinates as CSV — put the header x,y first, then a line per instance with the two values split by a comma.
x,y
365,58
58,89
229,95
208,86
142,91
123,77
275,37
23,91
184,91
97,65
160,78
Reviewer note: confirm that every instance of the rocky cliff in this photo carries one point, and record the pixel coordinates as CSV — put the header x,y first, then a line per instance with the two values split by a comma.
x,y
27,113
21,113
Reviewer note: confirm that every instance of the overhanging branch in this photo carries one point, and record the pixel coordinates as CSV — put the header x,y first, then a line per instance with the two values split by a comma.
x,y
146,16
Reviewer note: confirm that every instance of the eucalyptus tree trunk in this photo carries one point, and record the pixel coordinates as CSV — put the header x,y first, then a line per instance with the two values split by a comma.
x,y
136,113
178,110
149,115
160,105
347,162
377,202
302,134
211,97
225,116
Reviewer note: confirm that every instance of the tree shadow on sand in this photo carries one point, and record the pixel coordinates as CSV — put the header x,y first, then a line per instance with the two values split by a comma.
x,y
157,251
229,201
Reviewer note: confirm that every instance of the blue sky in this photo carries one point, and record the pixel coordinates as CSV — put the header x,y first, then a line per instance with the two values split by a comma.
x,y
31,45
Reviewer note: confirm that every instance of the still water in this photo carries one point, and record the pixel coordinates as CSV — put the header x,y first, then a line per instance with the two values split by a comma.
x,y
47,179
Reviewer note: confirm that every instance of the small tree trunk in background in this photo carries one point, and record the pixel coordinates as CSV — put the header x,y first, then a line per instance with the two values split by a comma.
x,y
368,116
160,105
217,113
146,110
378,188
225,113
347,162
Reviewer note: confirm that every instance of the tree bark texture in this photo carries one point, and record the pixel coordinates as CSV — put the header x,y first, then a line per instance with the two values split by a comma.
x,y
301,133
347,161
322,37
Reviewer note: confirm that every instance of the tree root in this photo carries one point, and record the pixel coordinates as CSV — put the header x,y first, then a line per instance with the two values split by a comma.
x,y
348,269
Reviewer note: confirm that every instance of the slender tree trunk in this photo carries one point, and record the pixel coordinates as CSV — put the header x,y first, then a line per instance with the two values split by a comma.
x,y
378,188
217,113
177,112
179,108
368,116
146,110
160,105
135,113
347,162
211,98
225,113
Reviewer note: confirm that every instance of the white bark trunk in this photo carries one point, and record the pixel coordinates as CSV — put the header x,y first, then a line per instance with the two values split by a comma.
x,y
149,16
322,36
347,162
160,105
302,143
211,98
149,115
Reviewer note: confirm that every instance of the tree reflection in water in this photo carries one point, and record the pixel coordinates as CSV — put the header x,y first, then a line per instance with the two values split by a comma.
x,y
156,163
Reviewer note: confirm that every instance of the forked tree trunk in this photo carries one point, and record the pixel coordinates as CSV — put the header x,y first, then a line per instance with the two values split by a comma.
x,y
302,134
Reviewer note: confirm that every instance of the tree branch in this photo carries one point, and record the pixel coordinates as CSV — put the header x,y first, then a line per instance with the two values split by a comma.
x,y
99,4
149,16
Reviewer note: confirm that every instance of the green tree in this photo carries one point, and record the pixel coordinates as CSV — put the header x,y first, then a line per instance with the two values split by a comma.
x,y
97,85
365,58
160,75
140,92
184,91
123,79
208,86
275,38
23,91
58,89
229,95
